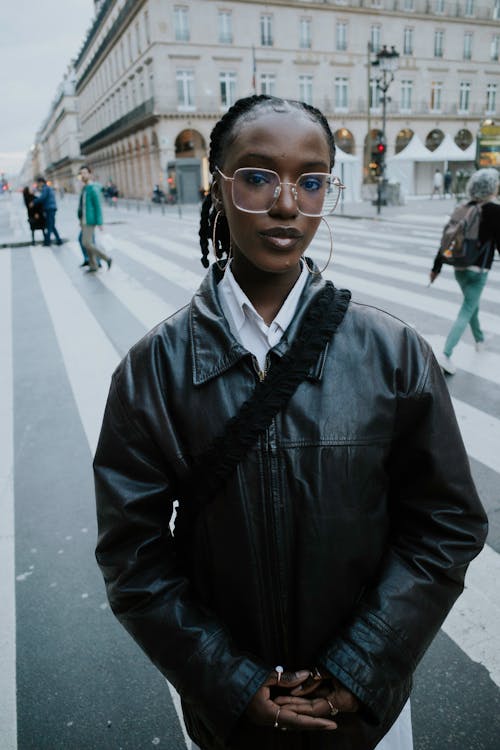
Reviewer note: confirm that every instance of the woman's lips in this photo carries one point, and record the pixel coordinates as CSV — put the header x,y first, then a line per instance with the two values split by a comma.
x,y
281,237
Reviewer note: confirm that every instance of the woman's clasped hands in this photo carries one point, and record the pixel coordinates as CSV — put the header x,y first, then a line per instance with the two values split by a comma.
x,y
302,700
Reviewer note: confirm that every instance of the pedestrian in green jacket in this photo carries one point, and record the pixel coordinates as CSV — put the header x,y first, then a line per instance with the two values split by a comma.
x,y
90,215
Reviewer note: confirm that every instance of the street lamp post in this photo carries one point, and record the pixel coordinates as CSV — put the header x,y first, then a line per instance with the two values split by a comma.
x,y
387,63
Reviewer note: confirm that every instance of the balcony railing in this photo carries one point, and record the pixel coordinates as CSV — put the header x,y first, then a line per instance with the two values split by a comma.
x,y
121,126
483,11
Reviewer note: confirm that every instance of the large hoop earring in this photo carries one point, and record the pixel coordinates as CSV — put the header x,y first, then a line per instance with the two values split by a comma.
x,y
330,256
214,246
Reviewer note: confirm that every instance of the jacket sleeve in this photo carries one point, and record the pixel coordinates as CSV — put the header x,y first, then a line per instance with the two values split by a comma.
x,y
148,592
438,526
438,263
96,200
42,198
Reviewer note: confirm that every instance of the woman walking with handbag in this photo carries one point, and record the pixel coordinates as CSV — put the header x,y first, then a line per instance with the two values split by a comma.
x,y
318,468
482,188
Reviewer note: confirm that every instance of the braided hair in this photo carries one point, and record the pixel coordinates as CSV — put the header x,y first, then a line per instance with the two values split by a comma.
x,y
222,135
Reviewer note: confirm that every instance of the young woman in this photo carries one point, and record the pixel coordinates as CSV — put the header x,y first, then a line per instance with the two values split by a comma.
x,y
326,510
481,188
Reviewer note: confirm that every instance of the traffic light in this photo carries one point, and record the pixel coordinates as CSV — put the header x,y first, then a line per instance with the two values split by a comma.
x,y
378,156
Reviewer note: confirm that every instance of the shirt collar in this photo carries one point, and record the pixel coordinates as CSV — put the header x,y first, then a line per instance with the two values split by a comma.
x,y
240,306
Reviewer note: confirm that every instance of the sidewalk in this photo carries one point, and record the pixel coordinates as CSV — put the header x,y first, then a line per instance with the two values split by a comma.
x,y
417,210
15,232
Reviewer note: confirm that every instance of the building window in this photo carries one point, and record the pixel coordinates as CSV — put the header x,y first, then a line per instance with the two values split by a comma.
x,y
225,27
133,92
439,6
306,89
181,24
185,89
464,97
436,96
463,138
438,43
147,31
341,36
406,95
374,94
142,88
305,33
375,38
341,97
491,98
469,8
495,47
496,10
409,5
268,84
227,85
138,38
408,41
266,30
467,45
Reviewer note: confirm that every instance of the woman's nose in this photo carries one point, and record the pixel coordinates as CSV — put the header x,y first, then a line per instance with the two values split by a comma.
x,y
286,203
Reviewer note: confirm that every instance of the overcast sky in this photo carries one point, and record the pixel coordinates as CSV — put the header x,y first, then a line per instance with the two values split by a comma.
x,y
37,41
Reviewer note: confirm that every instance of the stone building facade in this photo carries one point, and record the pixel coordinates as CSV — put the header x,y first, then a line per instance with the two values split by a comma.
x,y
56,152
152,76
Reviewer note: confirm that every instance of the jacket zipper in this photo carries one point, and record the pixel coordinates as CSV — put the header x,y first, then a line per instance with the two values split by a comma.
x,y
261,374
280,630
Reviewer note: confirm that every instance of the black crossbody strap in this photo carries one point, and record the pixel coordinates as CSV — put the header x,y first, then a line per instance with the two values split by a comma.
x,y
213,467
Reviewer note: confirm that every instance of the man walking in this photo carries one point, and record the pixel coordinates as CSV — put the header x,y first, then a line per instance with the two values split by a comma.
x,y
47,202
90,215
437,184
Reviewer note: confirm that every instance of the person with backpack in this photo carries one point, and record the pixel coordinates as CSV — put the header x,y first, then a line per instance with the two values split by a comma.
x,y
468,244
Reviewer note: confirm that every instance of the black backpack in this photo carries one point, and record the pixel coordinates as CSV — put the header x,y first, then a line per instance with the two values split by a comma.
x,y
460,245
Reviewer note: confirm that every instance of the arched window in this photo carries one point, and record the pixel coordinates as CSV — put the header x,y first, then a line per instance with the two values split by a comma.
x,y
403,138
344,139
463,138
433,139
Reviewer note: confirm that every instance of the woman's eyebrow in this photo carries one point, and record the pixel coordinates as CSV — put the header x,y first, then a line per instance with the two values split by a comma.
x,y
307,166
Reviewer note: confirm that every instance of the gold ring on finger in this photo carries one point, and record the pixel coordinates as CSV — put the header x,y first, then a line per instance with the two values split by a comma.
x,y
333,709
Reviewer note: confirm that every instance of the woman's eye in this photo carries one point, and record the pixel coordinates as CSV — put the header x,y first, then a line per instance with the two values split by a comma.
x,y
311,183
257,178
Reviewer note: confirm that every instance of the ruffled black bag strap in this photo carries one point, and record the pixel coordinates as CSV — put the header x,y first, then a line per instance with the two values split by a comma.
x,y
213,467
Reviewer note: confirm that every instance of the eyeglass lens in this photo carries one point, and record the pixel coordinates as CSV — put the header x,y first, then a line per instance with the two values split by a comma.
x,y
256,190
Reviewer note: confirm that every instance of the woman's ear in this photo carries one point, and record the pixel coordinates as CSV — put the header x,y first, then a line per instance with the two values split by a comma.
x,y
216,195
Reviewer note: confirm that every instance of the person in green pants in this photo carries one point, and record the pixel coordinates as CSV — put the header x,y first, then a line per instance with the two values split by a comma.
x,y
90,215
481,188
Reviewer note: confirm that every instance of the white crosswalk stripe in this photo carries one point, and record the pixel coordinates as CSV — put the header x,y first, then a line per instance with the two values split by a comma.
x,y
8,724
370,267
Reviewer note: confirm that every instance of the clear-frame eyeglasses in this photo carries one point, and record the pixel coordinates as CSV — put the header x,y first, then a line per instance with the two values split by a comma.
x,y
256,191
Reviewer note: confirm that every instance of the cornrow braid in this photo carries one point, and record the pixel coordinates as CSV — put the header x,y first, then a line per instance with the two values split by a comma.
x,y
220,138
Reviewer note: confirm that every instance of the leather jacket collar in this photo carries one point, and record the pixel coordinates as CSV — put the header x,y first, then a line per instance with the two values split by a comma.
x,y
214,349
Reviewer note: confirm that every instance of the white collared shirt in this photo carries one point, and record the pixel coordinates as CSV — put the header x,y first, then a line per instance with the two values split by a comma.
x,y
246,325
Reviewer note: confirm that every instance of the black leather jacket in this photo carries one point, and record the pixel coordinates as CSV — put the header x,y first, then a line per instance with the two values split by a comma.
x,y
341,540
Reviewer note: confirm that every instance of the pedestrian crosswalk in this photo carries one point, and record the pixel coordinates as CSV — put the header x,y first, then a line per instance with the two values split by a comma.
x,y
154,273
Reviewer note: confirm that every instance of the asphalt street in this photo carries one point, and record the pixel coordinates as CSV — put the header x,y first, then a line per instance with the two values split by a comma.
x,y
70,677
